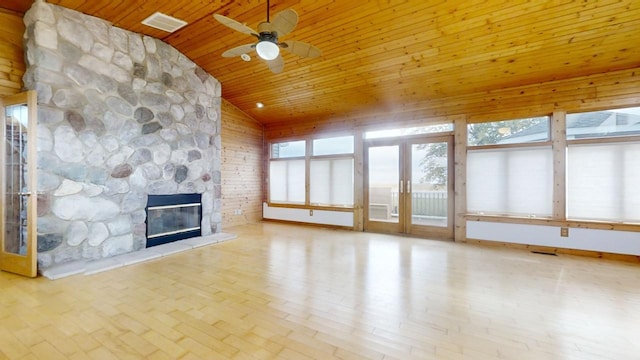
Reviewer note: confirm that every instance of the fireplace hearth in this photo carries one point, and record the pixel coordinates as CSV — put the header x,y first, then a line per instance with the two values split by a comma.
x,y
173,217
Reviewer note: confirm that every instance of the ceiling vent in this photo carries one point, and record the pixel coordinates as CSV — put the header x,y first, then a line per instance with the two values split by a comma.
x,y
164,22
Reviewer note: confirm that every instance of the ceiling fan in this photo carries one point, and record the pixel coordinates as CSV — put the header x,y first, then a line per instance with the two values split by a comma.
x,y
268,46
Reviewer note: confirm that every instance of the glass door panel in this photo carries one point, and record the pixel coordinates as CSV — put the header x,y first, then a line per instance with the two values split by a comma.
x,y
429,191
18,253
16,175
383,203
429,180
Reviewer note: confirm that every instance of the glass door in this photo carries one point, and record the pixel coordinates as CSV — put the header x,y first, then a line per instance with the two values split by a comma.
x,y
18,211
409,187
383,186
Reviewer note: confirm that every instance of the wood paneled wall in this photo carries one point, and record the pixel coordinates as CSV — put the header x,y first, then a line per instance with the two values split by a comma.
x,y
588,93
242,162
12,65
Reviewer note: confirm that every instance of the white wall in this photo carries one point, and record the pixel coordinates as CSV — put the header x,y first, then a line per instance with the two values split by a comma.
x,y
617,242
323,217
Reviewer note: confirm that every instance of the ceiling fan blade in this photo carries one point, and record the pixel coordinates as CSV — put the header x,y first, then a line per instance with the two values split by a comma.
x,y
228,22
238,50
284,22
276,65
301,49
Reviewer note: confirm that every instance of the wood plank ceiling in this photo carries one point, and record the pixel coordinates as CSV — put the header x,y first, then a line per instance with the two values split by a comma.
x,y
389,56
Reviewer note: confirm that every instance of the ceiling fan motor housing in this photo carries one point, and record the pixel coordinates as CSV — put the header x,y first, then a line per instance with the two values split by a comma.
x,y
266,34
269,36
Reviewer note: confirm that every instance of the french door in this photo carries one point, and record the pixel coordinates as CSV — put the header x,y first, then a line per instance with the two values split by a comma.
x,y
18,198
409,186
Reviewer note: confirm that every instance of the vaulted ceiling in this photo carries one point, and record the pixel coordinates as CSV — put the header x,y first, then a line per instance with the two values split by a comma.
x,y
386,55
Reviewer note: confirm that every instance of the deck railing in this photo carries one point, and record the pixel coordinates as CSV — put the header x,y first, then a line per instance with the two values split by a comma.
x,y
424,203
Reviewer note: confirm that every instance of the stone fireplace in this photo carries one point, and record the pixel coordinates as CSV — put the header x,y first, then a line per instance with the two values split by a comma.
x,y
121,116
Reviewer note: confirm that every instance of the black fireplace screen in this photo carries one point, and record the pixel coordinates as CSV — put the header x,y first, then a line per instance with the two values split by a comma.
x,y
173,217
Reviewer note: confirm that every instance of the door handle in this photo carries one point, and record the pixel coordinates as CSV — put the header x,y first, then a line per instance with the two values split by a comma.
x,y
408,186
29,193
401,187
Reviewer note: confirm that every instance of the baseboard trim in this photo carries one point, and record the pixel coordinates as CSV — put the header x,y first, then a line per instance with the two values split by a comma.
x,y
289,222
558,251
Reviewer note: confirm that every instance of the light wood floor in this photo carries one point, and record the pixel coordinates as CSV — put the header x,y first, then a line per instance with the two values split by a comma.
x,y
293,292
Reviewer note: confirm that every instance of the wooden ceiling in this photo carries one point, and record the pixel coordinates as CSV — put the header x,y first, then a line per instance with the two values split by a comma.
x,y
389,56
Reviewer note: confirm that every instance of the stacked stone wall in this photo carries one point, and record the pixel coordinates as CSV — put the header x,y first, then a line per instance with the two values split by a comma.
x,y
120,116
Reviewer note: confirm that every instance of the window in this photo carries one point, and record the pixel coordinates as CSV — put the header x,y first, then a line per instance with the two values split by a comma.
x,y
331,182
429,129
602,182
508,181
509,131
330,168
603,170
288,149
513,173
603,124
287,179
333,146
331,172
287,176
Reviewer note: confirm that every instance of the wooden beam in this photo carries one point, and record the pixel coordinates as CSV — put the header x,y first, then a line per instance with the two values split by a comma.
x,y
559,141
358,178
460,182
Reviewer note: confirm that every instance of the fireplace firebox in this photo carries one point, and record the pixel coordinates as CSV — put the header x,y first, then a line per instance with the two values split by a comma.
x,y
173,217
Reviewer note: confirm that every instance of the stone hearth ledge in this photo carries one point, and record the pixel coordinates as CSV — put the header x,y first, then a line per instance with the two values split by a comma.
x,y
94,267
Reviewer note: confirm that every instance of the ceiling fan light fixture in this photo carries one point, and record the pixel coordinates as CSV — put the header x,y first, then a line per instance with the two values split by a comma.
x,y
267,50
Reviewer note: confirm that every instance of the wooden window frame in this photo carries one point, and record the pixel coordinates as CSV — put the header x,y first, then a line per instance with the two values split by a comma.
x,y
308,158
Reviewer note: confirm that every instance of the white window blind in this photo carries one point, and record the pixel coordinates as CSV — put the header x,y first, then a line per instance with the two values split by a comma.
x,y
603,182
510,181
331,182
287,181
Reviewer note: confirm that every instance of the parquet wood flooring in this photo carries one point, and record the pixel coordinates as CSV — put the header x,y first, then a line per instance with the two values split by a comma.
x,y
292,292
